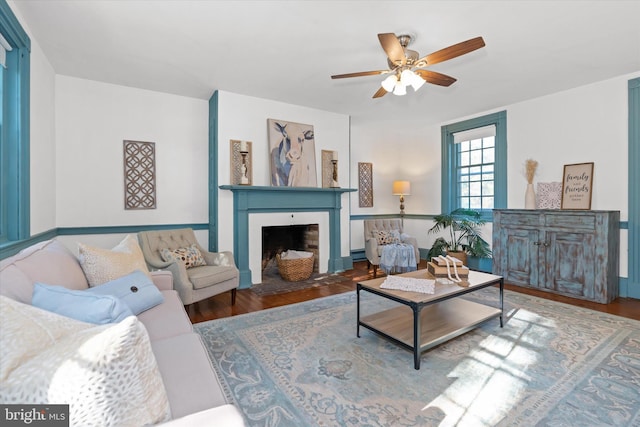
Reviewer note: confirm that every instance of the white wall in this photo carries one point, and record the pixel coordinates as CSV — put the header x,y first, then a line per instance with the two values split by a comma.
x,y
245,118
42,180
93,119
42,143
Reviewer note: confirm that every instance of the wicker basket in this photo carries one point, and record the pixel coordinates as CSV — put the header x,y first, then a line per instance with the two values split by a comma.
x,y
294,270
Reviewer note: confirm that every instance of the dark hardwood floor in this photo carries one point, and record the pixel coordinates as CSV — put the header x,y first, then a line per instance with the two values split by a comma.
x,y
247,301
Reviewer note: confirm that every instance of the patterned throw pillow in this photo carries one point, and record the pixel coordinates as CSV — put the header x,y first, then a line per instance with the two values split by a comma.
x,y
108,373
383,237
190,257
103,265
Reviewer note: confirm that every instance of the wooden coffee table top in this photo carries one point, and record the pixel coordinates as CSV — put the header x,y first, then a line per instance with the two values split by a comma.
x,y
476,279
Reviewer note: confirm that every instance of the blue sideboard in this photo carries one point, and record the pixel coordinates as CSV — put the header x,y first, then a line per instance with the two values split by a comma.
x,y
568,252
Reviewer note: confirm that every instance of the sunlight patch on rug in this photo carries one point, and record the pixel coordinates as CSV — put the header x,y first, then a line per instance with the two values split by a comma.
x,y
551,364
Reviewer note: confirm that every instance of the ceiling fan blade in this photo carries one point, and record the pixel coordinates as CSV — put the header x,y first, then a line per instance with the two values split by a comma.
x,y
436,78
393,48
452,51
380,93
359,74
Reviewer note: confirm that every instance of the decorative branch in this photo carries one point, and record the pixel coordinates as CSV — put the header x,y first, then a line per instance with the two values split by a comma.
x,y
530,169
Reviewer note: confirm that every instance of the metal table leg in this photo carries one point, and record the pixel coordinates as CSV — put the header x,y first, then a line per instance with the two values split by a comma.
x,y
358,287
416,336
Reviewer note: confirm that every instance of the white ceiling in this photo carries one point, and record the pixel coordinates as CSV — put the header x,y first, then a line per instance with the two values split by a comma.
x,y
287,50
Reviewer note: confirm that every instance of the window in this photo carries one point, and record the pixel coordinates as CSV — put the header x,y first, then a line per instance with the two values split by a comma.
x,y
14,128
474,164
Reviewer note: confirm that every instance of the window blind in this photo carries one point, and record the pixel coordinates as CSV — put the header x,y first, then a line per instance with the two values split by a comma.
x,y
4,48
475,133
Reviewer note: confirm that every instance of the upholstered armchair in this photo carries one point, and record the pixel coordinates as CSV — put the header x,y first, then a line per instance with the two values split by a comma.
x,y
195,278
373,245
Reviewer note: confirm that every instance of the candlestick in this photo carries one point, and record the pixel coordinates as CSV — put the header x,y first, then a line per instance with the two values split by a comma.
x,y
244,180
243,147
334,181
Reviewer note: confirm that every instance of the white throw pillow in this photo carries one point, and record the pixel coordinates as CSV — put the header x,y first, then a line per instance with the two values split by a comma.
x,y
27,331
103,265
107,374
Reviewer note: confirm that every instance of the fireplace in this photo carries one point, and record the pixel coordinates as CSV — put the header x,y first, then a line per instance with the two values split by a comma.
x,y
255,207
279,238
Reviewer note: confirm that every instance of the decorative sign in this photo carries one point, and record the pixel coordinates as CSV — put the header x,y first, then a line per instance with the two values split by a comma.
x,y
365,185
139,175
577,183
549,195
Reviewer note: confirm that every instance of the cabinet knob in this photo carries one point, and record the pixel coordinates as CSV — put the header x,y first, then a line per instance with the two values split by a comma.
x,y
537,243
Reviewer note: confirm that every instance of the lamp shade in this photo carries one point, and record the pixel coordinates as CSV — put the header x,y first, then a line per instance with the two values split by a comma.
x,y
401,188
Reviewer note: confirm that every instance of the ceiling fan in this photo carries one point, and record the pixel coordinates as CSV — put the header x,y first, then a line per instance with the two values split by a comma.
x,y
407,68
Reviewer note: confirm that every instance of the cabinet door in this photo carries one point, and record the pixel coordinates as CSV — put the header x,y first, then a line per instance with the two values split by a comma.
x,y
570,263
519,261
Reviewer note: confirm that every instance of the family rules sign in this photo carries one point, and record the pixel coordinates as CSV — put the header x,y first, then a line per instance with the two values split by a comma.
x,y
577,184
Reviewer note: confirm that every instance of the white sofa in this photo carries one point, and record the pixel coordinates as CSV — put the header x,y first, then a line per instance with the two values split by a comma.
x,y
194,392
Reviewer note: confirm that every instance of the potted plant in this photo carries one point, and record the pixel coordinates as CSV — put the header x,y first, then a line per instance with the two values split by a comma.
x,y
463,227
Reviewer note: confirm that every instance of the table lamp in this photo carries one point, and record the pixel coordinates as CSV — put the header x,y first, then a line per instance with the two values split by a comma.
x,y
401,188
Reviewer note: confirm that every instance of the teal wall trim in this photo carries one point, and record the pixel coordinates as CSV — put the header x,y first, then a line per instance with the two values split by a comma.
x,y
385,216
257,199
125,229
624,225
623,287
449,190
12,248
11,28
347,263
358,255
15,167
213,172
633,287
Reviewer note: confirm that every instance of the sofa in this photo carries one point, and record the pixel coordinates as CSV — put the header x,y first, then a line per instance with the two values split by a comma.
x,y
194,394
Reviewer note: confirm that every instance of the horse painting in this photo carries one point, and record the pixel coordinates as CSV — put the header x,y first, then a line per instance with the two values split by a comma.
x,y
293,159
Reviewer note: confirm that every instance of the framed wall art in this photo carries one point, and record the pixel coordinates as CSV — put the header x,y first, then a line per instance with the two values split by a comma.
x,y
139,175
365,185
292,154
577,185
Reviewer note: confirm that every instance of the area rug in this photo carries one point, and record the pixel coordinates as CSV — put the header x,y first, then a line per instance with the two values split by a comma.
x,y
551,365
274,284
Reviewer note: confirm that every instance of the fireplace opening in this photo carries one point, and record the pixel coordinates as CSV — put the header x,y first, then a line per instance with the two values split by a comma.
x,y
276,239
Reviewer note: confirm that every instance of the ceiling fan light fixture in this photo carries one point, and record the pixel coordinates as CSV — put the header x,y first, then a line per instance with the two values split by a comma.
x,y
400,89
410,78
389,83
417,82
406,77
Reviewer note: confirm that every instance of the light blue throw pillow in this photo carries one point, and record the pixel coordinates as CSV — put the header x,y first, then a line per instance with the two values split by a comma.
x,y
135,289
80,305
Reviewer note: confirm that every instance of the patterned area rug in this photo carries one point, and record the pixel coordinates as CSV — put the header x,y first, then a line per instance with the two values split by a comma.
x,y
273,283
551,365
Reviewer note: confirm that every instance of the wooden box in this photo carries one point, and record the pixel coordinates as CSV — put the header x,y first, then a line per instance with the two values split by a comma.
x,y
441,270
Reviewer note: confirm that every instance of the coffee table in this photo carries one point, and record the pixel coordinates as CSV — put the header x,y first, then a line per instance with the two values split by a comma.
x,y
423,321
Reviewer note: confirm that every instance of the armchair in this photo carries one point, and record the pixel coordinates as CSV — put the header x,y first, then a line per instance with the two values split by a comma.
x,y
195,283
373,250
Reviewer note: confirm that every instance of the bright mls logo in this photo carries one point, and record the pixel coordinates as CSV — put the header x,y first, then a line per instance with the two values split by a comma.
x,y
34,415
